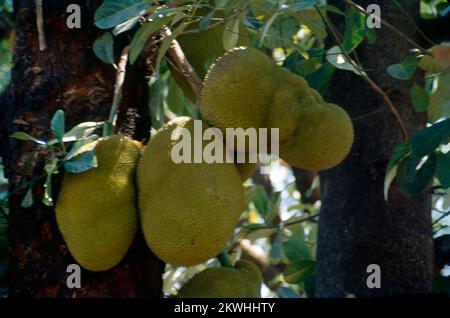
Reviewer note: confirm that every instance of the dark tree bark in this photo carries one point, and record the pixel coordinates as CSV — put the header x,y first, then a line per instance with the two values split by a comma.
x,y
357,227
65,76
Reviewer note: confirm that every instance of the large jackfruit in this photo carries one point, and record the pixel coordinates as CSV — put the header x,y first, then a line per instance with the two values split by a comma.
x,y
203,48
242,281
96,211
323,139
188,210
238,90
246,89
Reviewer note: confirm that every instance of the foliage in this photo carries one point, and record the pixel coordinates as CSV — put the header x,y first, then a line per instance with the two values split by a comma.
x,y
71,160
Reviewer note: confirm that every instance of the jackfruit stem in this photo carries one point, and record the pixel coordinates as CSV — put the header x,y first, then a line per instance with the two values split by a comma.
x,y
109,128
224,259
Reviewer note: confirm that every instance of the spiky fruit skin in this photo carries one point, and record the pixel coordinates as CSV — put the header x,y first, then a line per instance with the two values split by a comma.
x,y
96,211
188,210
242,281
203,48
246,89
238,90
324,138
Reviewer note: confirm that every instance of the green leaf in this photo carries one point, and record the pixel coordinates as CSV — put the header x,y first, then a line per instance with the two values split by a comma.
x,y
285,292
398,155
443,169
320,79
81,130
276,251
297,273
81,163
261,201
78,144
27,200
104,48
296,250
355,30
300,5
415,180
156,22
371,35
57,125
440,100
427,140
24,136
420,98
231,34
405,69
114,12
205,21
336,58
274,205
50,168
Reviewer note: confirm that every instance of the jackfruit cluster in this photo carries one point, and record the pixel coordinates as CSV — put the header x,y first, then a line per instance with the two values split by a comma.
x,y
95,210
244,88
188,211
242,281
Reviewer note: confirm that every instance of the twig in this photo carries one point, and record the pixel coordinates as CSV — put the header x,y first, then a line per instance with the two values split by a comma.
x,y
388,25
268,227
366,77
405,13
40,25
120,79
178,58
218,23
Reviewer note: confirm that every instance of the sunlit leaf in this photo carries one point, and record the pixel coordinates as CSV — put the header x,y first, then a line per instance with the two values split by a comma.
x,y
114,12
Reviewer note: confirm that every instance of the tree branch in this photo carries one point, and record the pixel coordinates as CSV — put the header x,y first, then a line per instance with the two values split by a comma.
x,y
388,25
120,79
181,63
392,109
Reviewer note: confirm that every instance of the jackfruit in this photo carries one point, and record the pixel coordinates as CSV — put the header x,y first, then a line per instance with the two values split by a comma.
x,y
238,90
203,48
323,139
95,210
188,210
242,281
245,89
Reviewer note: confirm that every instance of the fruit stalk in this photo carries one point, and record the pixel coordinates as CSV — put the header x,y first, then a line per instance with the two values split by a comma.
x,y
224,259
109,128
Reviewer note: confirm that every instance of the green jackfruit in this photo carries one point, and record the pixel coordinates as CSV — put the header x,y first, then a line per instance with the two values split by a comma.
x,y
188,210
324,138
246,89
242,281
238,90
203,48
96,210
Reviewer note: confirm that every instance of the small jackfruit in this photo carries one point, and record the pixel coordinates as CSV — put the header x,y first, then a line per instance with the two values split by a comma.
x,y
242,281
203,48
96,210
188,210
323,139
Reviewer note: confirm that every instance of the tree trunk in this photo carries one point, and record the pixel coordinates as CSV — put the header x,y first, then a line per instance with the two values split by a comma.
x,y
65,76
357,226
